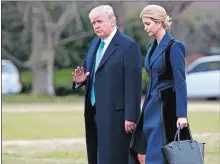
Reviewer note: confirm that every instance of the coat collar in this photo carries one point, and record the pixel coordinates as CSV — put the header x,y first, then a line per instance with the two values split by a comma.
x,y
160,48
109,51
91,53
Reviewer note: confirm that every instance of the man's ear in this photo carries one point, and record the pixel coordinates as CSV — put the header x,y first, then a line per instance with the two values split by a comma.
x,y
112,23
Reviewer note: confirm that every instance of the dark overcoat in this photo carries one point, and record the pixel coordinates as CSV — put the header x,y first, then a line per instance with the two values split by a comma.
x,y
165,101
118,97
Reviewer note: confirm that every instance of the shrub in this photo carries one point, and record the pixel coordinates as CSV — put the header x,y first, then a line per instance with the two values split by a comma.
x,y
63,82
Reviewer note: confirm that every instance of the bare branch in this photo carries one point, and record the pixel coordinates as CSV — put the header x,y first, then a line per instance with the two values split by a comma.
x,y
174,9
72,12
76,37
39,10
26,21
66,17
78,19
27,12
64,20
46,17
184,6
18,62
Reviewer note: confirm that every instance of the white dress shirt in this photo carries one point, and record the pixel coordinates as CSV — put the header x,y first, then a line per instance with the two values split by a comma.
x,y
108,40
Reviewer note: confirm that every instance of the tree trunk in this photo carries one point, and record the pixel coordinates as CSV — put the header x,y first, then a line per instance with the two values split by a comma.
x,y
42,82
119,10
42,57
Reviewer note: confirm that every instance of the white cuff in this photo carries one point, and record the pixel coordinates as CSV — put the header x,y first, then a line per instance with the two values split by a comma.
x,y
77,85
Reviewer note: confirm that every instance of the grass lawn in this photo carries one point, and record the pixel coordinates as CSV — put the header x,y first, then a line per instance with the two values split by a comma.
x,y
212,150
42,125
70,124
30,99
72,154
203,122
76,154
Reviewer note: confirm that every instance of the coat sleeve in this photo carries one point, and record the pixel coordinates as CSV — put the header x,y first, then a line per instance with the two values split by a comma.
x,y
133,81
177,60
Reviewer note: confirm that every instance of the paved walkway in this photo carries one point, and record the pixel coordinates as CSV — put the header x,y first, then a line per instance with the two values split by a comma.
x,y
14,108
81,141
53,142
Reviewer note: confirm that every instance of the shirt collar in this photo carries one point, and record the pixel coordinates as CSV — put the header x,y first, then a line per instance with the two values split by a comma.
x,y
110,37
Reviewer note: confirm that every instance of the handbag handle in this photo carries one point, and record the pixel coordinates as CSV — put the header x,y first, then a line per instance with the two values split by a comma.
x,y
189,131
177,135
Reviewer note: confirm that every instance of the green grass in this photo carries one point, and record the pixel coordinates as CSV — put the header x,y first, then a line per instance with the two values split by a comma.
x,y
70,124
201,122
58,155
212,148
29,99
67,154
42,125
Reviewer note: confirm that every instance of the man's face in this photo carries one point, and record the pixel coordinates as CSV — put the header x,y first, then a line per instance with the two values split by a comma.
x,y
102,25
150,26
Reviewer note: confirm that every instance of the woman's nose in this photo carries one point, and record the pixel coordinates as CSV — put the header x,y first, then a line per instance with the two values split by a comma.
x,y
145,28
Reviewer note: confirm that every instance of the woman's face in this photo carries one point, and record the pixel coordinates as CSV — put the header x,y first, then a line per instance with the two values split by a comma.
x,y
150,26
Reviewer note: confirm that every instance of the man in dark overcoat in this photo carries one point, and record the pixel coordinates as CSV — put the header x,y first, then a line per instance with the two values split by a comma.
x,y
111,74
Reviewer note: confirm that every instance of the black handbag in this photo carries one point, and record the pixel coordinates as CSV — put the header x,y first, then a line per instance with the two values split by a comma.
x,y
183,152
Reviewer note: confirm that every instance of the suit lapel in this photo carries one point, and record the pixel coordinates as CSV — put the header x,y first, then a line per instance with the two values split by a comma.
x,y
160,48
92,54
149,51
110,50
158,51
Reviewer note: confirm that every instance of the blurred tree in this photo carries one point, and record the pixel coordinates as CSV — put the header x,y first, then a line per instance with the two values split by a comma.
x,y
203,21
45,37
43,34
119,9
12,46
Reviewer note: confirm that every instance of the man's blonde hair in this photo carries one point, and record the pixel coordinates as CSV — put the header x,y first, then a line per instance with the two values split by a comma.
x,y
157,13
103,9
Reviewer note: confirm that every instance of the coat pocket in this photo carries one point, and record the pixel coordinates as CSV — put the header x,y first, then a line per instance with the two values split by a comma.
x,y
120,105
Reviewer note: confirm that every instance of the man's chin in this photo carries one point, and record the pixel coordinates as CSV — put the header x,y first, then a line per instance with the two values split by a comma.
x,y
99,35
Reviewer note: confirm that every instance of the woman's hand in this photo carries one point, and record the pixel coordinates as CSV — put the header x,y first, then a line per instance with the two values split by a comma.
x,y
141,158
181,122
